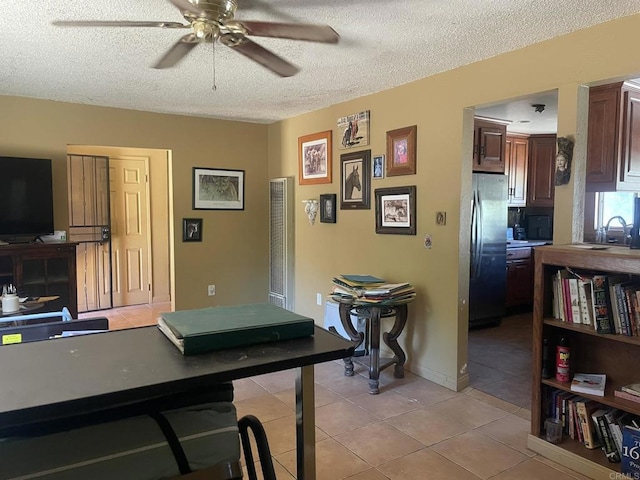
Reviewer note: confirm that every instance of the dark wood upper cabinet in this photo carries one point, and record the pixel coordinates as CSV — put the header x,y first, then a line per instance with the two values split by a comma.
x,y
517,160
489,145
541,182
613,142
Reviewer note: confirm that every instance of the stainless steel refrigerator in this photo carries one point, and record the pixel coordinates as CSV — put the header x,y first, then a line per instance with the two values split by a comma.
x,y
488,272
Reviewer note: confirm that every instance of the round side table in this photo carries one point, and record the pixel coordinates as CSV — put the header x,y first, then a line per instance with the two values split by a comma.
x,y
373,313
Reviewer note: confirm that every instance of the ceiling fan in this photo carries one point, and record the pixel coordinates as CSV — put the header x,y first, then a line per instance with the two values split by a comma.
x,y
210,20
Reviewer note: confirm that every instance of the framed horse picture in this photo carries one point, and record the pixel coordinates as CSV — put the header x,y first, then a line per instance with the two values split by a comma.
x,y
396,210
355,180
353,130
314,158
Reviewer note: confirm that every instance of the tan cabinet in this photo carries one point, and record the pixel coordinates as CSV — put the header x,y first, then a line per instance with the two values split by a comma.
x,y
517,162
489,145
542,163
519,277
613,141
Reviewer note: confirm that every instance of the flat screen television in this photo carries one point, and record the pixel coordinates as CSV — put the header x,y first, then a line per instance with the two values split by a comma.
x,y
26,198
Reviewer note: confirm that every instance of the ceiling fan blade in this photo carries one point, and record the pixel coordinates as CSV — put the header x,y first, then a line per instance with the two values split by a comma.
x,y
177,52
294,31
264,57
186,6
99,23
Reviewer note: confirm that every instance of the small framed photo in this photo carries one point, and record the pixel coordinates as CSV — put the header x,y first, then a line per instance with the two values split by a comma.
x,y
314,158
396,210
353,130
218,189
401,151
328,208
378,166
355,180
191,229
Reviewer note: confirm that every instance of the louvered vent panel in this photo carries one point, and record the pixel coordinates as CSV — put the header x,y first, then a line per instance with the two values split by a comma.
x,y
277,255
281,250
278,300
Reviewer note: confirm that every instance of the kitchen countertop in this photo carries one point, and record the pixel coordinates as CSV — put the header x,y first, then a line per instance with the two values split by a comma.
x,y
527,243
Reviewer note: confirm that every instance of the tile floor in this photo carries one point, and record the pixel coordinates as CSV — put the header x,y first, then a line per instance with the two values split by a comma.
x,y
500,359
413,430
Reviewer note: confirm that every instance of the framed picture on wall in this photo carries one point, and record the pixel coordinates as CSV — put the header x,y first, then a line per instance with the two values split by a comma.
x,y
353,130
378,166
396,210
355,180
218,189
191,229
401,151
314,158
328,208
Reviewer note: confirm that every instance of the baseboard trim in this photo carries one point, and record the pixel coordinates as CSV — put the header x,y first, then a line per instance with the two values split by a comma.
x,y
571,460
437,377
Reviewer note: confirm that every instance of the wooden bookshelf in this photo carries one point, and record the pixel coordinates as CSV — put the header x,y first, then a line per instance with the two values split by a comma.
x,y
612,354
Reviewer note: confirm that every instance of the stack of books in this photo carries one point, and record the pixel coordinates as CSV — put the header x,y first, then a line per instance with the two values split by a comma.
x,y
629,392
596,425
369,289
608,303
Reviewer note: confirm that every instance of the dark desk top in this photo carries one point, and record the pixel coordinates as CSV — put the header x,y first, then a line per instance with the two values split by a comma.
x,y
60,378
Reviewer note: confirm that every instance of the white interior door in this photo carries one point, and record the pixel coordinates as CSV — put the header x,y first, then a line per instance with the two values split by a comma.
x,y
130,247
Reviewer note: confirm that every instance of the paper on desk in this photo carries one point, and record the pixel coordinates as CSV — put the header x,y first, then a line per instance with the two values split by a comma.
x,y
48,299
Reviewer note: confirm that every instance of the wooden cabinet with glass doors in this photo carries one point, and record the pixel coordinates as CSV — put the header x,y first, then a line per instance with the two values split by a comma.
x,y
42,270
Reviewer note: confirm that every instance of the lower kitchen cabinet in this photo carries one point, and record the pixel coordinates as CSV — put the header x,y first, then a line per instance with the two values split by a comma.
x,y
519,277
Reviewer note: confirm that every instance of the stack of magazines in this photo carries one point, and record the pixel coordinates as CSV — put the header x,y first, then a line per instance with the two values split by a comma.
x,y
369,289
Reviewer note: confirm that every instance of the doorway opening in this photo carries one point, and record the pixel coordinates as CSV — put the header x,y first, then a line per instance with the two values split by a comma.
x,y
119,213
499,355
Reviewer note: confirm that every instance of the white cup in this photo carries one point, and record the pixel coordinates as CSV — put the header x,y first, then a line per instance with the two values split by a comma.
x,y
10,303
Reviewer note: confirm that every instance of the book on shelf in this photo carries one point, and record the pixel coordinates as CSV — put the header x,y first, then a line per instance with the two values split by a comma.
x,y
632,388
630,290
630,442
611,417
585,409
586,302
217,328
589,383
614,283
606,440
626,396
601,305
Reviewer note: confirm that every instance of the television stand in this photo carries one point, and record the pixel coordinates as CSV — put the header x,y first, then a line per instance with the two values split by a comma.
x,y
42,270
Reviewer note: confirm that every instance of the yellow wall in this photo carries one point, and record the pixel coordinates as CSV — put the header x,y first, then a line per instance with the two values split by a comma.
x,y
435,337
234,252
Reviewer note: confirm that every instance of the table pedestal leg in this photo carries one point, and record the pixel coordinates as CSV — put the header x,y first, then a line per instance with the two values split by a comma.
x,y
374,354
354,335
305,424
391,339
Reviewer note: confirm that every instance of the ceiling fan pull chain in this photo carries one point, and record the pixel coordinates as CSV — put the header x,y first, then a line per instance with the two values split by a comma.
x,y
213,51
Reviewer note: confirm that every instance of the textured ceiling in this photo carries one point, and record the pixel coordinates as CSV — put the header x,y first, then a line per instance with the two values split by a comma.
x,y
383,44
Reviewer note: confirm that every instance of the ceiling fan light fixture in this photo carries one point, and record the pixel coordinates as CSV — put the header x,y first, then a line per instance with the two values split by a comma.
x,y
204,29
538,107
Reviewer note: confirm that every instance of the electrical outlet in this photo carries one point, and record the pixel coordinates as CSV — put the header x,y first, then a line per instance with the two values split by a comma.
x,y
211,290
319,299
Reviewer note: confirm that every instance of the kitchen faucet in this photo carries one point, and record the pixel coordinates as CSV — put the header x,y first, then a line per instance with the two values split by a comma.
x,y
625,228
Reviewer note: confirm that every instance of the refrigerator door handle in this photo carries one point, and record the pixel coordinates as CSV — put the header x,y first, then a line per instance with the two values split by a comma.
x,y
476,235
